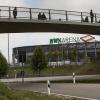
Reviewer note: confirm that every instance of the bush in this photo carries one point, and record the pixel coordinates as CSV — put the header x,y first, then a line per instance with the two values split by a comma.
x,y
3,65
3,98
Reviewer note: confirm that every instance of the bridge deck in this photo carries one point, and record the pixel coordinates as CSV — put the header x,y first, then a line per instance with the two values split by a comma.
x,y
64,21
26,25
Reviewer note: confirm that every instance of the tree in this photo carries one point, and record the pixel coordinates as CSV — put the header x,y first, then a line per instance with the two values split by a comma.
x,y
49,56
39,61
73,55
3,65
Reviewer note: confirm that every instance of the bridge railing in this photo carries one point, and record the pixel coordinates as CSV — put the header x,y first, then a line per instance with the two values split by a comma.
x,y
51,14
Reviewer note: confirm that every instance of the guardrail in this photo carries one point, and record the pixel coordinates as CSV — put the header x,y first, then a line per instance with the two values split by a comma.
x,y
50,14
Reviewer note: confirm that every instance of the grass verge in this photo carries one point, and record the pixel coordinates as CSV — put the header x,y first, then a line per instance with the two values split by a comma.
x,y
8,94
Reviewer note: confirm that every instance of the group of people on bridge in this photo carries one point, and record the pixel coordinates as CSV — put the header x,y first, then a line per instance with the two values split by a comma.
x,y
91,17
40,16
43,16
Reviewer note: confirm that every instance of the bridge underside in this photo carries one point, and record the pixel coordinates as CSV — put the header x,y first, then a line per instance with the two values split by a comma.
x,y
22,26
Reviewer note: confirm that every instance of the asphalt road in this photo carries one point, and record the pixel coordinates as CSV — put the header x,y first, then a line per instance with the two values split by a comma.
x,y
55,78
81,90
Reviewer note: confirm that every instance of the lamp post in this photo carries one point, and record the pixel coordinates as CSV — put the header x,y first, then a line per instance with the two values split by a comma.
x,y
22,72
8,51
8,56
62,53
21,60
86,49
15,74
95,51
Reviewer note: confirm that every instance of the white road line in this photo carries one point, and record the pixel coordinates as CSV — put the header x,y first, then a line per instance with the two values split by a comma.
x,y
74,96
68,96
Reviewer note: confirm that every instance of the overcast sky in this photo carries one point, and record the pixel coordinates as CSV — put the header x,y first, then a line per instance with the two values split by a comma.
x,y
23,39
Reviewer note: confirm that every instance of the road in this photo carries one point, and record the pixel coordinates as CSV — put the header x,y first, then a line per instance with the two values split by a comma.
x,y
53,78
80,90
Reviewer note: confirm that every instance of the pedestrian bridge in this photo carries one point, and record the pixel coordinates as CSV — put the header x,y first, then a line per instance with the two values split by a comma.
x,y
61,21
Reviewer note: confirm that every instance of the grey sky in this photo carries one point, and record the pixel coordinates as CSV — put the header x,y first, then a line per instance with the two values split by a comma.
x,y
42,38
76,5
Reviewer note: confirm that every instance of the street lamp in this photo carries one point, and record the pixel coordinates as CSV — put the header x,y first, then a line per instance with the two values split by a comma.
x,y
22,72
8,50
8,55
21,60
95,50
62,53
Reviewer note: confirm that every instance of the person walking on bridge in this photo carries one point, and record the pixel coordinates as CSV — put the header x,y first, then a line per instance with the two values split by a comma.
x,y
15,12
39,16
91,16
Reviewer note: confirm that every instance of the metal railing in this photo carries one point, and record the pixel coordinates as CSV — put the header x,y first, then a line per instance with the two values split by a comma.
x,y
51,14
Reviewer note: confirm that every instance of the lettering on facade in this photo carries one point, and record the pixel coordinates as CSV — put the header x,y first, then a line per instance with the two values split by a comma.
x,y
65,40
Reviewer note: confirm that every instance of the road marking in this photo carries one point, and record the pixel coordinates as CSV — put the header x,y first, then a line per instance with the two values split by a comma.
x,y
68,96
73,96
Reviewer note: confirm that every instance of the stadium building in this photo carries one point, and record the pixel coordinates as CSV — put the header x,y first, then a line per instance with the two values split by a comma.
x,y
90,49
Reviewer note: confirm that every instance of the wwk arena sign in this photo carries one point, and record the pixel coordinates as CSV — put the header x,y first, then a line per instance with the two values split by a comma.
x,y
86,38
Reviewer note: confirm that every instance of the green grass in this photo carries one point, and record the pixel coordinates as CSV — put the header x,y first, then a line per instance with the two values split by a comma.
x,y
49,71
85,69
90,68
8,94
62,70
